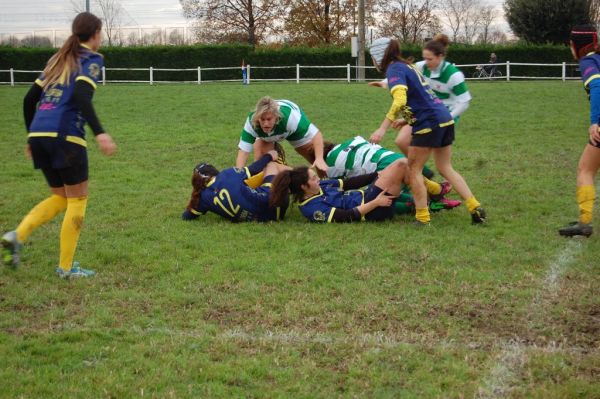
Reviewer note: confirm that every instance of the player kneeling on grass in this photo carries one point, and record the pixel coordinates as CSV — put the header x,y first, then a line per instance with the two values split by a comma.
x,y
357,156
326,201
273,121
232,194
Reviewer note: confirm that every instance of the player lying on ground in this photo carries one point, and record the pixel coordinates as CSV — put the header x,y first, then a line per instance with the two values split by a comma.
x,y
228,193
327,201
357,156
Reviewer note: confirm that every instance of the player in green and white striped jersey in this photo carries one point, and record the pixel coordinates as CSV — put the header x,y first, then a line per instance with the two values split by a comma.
x,y
356,157
276,120
446,80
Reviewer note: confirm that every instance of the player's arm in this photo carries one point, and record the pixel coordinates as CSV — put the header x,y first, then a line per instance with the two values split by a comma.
x,y
83,93
245,147
355,182
30,103
357,214
258,166
594,88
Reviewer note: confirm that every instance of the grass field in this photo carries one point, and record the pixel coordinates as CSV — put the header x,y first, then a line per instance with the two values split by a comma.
x,y
213,309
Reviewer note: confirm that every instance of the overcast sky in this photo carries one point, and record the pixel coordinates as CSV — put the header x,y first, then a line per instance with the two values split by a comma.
x,y
27,15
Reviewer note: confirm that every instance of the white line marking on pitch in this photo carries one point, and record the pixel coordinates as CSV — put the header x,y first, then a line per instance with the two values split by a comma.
x,y
511,359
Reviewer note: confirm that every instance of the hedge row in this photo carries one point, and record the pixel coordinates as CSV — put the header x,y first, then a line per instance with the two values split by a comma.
x,y
180,57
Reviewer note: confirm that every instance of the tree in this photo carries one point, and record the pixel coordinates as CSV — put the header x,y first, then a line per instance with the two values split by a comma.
x,y
594,11
409,20
247,21
315,22
461,16
488,15
111,12
545,21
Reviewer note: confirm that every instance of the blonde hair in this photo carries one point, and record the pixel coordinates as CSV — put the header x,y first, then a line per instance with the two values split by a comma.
x,y
62,64
265,105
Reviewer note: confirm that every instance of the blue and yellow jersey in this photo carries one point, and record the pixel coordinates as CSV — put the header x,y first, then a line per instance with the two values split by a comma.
x,y
422,109
321,207
590,75
227,195
57,115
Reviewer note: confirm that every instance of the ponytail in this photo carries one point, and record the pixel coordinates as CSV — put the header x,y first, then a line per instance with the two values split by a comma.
x,y
198,184
286,182
62,64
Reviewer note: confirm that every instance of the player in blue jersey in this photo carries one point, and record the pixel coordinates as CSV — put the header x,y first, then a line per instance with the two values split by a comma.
x,y
585,49
56,109
227,193
326,201
415,104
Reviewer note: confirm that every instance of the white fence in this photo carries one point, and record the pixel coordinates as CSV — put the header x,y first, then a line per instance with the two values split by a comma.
x,y
344,73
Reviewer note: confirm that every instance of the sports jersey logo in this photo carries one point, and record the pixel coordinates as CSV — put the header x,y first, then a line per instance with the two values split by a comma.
x,y
319,216
94,70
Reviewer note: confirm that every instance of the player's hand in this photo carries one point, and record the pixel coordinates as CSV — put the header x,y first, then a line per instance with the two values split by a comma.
x,y
377,136
274,155
594,134
106,144
376,84
321,166
398,123
384,199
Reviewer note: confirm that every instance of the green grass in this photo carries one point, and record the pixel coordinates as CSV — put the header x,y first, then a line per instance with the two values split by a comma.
x,y
213,309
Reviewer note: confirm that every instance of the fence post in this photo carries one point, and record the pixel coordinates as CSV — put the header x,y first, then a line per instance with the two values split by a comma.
x,y
103,75
151,75
564,71
12,77
248,76
508,71
297,73
199,75
348,72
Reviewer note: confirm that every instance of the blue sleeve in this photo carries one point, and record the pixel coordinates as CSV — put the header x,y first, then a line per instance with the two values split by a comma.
x,y
91,69
396,75
258,166
188,215
594,87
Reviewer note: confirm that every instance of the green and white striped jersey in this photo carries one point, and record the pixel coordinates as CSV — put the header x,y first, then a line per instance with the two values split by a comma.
x,y
448,83
357,157
293,126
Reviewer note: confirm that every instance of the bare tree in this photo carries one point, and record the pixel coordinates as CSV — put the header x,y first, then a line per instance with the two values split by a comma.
x,y
461,16
488,15
111,12
248,21
595,11
409,20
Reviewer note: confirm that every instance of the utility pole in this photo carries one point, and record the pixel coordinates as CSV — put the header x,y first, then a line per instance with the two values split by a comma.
x,y
361,41
87,5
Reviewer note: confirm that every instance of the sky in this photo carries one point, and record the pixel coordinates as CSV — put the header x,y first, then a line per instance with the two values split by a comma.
x,y
17,16
28,15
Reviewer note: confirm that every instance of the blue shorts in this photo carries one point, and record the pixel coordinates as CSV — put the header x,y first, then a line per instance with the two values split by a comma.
x,y
62,162
436,138
381,212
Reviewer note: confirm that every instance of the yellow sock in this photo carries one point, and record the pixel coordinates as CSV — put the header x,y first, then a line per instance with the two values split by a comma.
x,y
40,214
433,188
585,198
423,215
69,233
472,204
255,180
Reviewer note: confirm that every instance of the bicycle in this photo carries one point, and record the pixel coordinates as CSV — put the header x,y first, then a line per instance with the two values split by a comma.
x,y
487,71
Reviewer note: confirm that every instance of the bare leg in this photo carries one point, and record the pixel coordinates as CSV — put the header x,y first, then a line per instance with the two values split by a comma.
x,y
417,156
442,157
403,138
261,147
391,178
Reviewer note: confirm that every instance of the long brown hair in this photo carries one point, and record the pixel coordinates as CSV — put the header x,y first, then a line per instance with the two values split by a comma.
x,y
286,182
200,178
393,53
62,64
